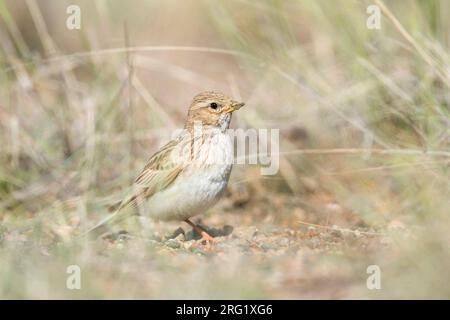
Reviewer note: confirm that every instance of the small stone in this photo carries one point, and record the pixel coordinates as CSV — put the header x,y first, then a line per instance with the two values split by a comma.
x,y
123,236
198,251
267,246
180,237
176,233
336,232
188,244
172,243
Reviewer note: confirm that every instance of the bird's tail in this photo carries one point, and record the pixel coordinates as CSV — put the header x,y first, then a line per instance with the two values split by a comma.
x,y
123,210
104,225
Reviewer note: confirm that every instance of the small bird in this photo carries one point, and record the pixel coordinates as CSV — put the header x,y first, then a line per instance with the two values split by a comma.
x,y
190,173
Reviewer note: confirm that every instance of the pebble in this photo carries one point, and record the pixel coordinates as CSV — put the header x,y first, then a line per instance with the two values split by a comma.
x,y
177,233
181,237
267,246
187,244
336,232
172,243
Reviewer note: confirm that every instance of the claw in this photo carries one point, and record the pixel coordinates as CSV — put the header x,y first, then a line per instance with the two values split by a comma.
x,y
209,241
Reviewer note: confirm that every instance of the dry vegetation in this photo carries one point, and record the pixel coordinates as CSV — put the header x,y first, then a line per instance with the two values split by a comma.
x,y
365,146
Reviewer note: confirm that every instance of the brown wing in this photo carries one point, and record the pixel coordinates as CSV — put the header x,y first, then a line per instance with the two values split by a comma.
x,y
159,173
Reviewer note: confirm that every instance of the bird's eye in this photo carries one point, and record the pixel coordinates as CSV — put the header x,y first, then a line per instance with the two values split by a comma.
x,y
213,105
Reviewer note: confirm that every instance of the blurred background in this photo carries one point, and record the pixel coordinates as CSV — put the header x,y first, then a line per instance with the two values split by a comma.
x,y
364,126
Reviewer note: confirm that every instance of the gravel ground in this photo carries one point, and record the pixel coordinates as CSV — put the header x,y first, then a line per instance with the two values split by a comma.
x,y
295,253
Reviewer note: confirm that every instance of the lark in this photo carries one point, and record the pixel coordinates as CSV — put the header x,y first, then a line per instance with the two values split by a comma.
x,y
190,173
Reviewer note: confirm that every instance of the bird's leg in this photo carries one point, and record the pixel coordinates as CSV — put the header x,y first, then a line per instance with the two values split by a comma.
x,y
205,236
159,231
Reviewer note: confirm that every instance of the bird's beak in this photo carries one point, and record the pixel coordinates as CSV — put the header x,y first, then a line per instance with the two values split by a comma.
x,y
234,106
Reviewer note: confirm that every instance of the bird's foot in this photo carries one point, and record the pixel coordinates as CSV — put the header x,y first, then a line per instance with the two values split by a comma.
x,y
206,240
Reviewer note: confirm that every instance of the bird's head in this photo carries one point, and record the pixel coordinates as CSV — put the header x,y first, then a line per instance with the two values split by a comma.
x,y
212,109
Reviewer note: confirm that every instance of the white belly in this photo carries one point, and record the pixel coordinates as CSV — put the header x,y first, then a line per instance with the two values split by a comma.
x,y
198,187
